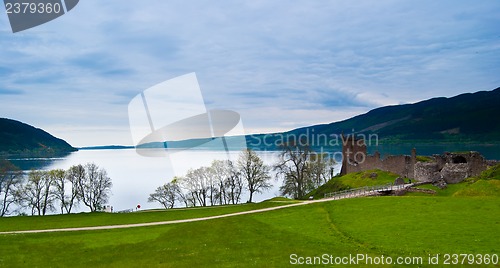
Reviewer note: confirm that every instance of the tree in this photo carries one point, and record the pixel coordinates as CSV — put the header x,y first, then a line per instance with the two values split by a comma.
x,y
74,175
209,176
254,171
320,168
58,178
37,192
219,174
196,183
94,187
233,184
165,195
10,180
185,197
302,169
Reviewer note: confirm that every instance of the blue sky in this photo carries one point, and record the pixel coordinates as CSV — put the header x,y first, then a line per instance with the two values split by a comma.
x,y
280,64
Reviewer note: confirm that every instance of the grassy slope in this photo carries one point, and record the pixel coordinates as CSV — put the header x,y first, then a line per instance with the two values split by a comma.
x,y
393,226
353,180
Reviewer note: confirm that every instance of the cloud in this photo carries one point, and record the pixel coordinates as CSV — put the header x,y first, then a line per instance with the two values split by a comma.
x,y
280,64
4,91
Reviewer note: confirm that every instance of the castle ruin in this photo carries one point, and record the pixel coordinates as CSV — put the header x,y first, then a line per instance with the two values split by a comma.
x,y
450,167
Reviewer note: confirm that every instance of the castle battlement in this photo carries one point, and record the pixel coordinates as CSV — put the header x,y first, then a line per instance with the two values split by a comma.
x,y
451,167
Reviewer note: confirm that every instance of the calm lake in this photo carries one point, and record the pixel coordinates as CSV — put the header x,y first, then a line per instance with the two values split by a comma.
x,y
135,177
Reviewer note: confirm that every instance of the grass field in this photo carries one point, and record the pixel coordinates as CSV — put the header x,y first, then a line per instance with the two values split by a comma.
x,y
389,226
462,219
101,219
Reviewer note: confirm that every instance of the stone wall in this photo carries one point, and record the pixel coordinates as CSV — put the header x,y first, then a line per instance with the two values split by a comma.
x,y
451,167
356,159
426,171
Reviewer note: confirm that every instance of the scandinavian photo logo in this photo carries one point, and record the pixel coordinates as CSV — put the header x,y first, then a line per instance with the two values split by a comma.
x,y
170,119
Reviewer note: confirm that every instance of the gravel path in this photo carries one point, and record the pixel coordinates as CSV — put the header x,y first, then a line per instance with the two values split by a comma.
x,y
108,227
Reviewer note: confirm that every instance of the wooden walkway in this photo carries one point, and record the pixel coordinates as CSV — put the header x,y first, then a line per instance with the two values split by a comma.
x,y
366,191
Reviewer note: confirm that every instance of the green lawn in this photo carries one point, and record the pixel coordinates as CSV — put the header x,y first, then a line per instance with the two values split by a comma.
x,y
477,188
462,219
389,226
101,218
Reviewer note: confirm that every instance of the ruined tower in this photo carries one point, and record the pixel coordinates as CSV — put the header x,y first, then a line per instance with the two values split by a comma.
x,y
353,154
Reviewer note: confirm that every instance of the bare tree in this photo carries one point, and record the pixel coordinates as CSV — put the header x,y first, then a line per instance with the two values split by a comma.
x,y
37,192
10,180
302,169
95,187
219,173
58,178
209,176
233,184
74,175
320,168
183,193
254,171
165,195
196,182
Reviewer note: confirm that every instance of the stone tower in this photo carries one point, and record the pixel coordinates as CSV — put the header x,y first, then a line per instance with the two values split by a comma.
x,y
354,152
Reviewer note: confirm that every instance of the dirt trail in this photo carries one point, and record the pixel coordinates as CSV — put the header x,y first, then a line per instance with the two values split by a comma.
x,y
108,227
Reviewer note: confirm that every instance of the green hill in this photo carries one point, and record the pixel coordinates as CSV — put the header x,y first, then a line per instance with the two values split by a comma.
x,y
17,138
466,117
470,117
353,180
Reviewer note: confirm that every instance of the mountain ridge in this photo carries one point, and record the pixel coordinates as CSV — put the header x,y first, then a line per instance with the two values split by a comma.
x,y
21,139
468,117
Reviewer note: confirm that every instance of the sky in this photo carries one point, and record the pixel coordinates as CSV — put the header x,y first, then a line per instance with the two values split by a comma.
x,y
279,64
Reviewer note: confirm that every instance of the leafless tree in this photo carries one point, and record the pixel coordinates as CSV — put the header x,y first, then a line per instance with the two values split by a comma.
x,y
234,184
302,169
10,180
165,195
197,184
94,187
254,171
183,194
58,178
37,192
219,174
74,175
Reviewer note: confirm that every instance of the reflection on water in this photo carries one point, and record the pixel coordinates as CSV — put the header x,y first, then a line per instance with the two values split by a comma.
x,y
34,163
135,177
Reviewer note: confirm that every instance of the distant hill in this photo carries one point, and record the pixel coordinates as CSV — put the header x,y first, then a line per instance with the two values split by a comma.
x,y
470,117
17,138
466,118
106,147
